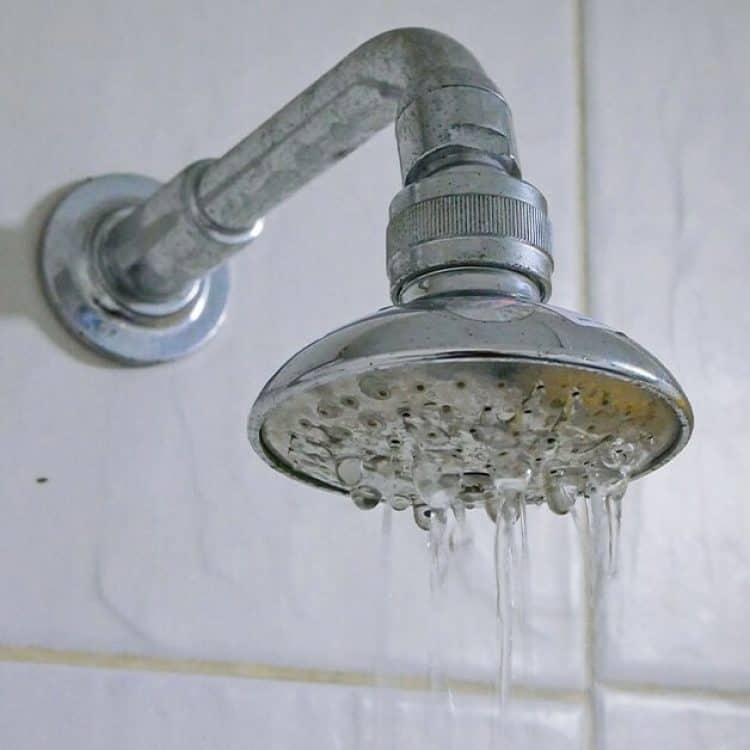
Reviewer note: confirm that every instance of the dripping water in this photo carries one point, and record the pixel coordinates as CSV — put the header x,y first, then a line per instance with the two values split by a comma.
x,y
461,536
522,575
439,713
503,597
507,508
437,482
384,708
598,519
439,448
437,548
504,509
525,569
613,506
582,520
597,516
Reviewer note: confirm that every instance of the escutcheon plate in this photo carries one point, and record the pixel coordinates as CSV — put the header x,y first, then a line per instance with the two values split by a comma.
x,y
86,306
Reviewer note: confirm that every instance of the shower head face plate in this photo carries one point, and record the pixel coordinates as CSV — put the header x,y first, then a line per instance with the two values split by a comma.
x,y
483,390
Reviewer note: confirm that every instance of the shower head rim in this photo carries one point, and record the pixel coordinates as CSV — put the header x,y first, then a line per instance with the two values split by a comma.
x,y
272,397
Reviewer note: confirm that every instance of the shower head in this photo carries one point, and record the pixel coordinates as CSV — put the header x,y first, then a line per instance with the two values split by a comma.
x,y
475,389
470,383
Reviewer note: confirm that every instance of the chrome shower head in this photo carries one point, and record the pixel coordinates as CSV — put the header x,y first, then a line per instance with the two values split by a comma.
x,y
446,397
470,384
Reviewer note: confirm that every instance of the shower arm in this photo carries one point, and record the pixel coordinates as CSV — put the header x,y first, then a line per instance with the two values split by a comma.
x,y
137,270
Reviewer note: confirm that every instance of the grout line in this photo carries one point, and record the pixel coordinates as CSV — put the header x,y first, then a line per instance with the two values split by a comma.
x,y
653,690
591,740
251,671
582,162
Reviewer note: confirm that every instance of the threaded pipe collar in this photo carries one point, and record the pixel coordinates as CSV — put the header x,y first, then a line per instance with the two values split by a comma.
x,y
469,217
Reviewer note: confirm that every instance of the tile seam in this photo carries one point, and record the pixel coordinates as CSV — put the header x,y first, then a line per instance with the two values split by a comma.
x,y
582,158
656,690
591,739
258,671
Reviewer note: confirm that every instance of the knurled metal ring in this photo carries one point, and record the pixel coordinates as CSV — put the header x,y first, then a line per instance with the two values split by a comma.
x,y
443,225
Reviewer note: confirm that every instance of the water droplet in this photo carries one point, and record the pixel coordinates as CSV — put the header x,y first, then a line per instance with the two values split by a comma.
x,y
613,506
422,516
400,502
476,482
383,465
349,470
375,386
365,497
562,487
437,477
490,506
504,590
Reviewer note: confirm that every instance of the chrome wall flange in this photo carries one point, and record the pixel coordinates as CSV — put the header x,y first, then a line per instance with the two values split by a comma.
x,y
76,286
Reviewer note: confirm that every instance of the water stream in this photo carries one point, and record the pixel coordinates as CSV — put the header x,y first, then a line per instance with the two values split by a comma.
x,y
439,551
467,439
613,508
384,708
596,509
597,518
503,614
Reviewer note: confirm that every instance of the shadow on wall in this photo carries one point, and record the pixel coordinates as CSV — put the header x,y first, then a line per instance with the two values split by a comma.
x,y
21,293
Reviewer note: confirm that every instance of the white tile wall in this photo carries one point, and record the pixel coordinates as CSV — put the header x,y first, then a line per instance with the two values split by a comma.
x,y
65,707
670,232
415,721
631,720
157,531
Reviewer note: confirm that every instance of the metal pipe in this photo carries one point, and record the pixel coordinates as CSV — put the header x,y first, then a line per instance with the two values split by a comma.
x,y
330,119
137,270
447,108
